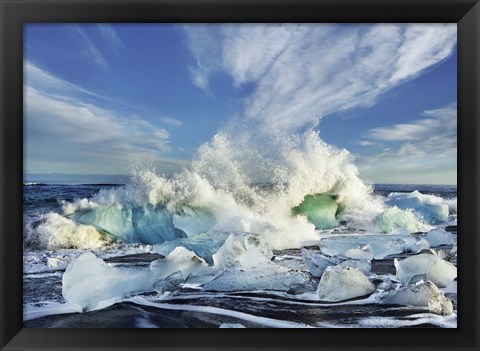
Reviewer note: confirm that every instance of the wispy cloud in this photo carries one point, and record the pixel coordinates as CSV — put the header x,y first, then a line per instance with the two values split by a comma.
x,y
89,49
110,37
303,72
39,78
441,121
426,146
365,143
86,124
205,49
68,132
171,121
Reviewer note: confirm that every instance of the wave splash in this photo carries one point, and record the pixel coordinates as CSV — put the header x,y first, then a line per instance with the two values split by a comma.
x,y
283,187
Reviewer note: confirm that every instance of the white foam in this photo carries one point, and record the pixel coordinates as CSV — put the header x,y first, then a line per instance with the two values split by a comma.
x,y
33,312
409,321
269,322
222,181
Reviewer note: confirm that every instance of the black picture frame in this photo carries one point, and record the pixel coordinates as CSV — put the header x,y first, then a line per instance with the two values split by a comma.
x,y
16,13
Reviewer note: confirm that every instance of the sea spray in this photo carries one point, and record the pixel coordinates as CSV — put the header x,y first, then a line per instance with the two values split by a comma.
x,y
243,180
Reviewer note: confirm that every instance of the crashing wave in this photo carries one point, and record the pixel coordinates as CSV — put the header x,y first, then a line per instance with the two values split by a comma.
x,y
286,188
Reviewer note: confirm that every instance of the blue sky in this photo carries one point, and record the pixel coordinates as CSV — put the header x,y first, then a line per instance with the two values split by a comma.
x,y
101,97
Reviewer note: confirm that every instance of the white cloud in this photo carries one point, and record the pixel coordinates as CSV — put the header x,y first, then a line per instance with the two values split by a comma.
x,y
43,80
66,132
365,143
303,72
442,121
204,48
171,121
89,49
110,36
425,149
98,129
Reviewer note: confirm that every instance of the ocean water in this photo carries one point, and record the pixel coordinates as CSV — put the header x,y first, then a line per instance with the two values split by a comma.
x,y
279,222
53,238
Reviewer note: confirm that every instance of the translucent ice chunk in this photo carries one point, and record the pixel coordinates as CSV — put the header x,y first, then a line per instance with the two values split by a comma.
x,y
433,267
417,246
255,271
316,263
147,225
319,209
88,281
364,252
204,245
342,283
438,237
452,256
235,246
423,294
363,266
192,267
394,217
441,273
411,266
382,245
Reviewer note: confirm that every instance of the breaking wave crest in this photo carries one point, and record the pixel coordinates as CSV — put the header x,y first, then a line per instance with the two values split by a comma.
x,y
284,187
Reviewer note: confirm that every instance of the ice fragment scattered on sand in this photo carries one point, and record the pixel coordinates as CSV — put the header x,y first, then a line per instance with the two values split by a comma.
x,y
423,294
255,271
89,281
438,237
342,283
364,252
181,260
363,266
382,245
205,245
417,246
394,217
316,263
430,266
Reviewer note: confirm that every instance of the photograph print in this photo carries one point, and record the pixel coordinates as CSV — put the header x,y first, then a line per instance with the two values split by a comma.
x,y
240,176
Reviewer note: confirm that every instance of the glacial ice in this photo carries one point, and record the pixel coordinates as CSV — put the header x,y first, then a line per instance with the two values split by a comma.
x,y
394,217
441,273
438,237
253,270
382,245
204,245
422,294
452,256
146,225
430,266
235,246
89,281
242,263
363,266
316,263
191,267
342,283
360,253
419,245
429,208
320,210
